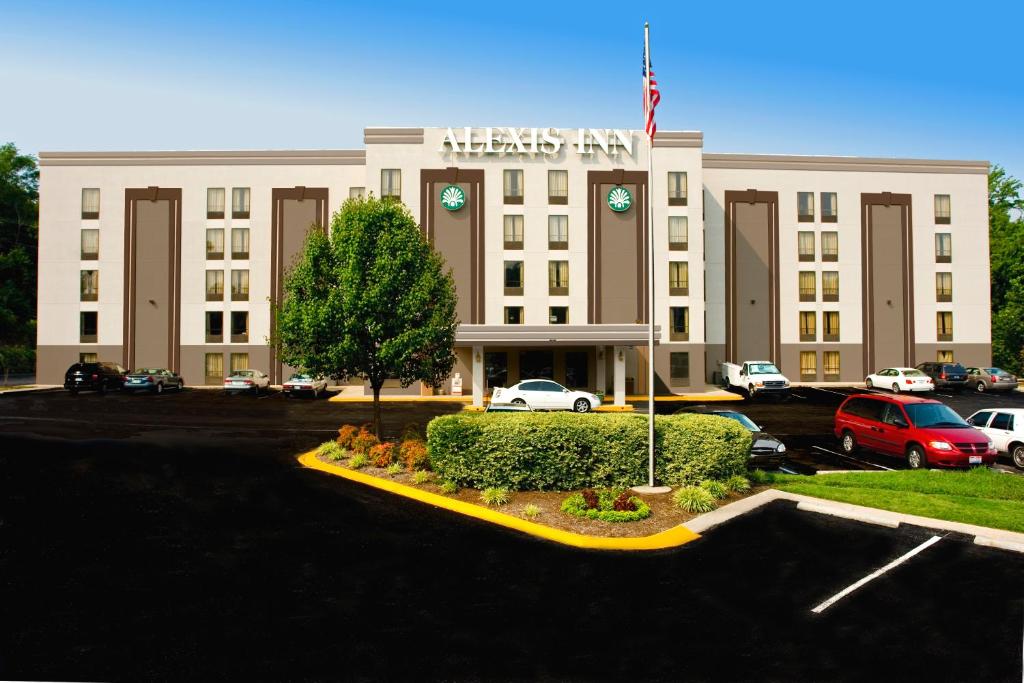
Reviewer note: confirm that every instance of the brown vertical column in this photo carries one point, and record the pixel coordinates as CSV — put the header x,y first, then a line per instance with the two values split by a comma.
x,y
618,293
887,280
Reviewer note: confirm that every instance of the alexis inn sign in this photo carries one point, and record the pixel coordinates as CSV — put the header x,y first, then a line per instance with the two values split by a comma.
x,y
547,141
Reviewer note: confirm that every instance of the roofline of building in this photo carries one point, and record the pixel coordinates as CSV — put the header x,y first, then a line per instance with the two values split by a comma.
x,y
322,157
793,162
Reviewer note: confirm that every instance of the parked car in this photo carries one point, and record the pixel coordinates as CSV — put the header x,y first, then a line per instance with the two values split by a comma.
x,y
154,380
1005,427
493,407
990,379
99,377
543,394
765,449
900,379
923,431
246,380
303,383
945,375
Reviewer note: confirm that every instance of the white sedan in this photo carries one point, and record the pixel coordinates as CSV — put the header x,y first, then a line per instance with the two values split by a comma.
x,y
1005,427
246,380
302,383
900,379
543,394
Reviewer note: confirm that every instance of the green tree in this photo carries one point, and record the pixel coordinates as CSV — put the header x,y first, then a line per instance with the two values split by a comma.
x,y
370,299
19,211
1006,254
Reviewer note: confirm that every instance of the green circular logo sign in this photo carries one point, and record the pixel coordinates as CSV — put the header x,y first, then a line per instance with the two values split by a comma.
x,y
453,198
619,199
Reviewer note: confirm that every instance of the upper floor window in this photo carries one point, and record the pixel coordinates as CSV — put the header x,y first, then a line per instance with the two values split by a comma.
x,y
558,315
391,182
944,325
215,285
356,192
943,247
90,285
830,246
558,187
679,278
680,323
558,232
829,207
90,244
677,188
240,202
215,202
808,285
215,243
513,232
805,207
239,326
239,285
90,203
678,233
513,278
214,327
805,245
513,315
558,278
513,186
944,287
88,324
808,326
830,285
830,326
942,213
240,243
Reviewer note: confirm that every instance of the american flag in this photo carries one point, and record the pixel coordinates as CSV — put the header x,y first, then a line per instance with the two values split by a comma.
x,y
651,98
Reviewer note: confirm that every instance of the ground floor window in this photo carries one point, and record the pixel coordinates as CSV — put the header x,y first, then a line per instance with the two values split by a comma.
x,y
577,369
496,368
214,364
88,358
679,368
808,366
536,365
831,364
239,361
944,356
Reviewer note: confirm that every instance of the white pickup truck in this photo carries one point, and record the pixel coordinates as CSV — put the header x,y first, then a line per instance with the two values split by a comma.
x,y
755,377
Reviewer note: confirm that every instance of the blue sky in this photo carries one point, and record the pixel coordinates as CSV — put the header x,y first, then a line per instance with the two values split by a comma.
x,y
928,80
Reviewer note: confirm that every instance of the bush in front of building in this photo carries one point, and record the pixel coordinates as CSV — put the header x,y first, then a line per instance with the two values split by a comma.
x,y
363,442
567,451
383,454
606,506
346,435
414,454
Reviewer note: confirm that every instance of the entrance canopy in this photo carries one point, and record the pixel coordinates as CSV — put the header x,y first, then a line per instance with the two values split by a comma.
x,y
554,335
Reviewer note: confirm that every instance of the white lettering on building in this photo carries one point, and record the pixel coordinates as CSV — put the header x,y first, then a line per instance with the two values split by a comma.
x,y
532,141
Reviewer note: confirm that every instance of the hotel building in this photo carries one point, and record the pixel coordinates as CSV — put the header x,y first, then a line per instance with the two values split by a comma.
x,y
832,267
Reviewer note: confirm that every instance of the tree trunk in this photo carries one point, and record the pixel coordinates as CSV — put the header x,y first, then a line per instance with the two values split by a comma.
x,y
376,410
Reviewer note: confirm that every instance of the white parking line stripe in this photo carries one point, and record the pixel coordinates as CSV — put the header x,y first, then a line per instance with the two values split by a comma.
x,y
874,575
843,455
837,393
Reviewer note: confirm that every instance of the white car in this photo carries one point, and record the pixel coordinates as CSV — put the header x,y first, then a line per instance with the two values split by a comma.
x,y
543,394
900,379
246,380
302,383
1005,427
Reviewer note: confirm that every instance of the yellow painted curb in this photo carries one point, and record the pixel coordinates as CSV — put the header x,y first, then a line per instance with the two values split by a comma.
x,y
671,538
614,409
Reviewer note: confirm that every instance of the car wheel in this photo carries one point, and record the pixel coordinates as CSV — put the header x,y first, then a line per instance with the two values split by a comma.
x,y
849,443
160,388
102,388
181,385
980,387
518,402
750,392
895,388
916,459
1017,454
869,384
581,405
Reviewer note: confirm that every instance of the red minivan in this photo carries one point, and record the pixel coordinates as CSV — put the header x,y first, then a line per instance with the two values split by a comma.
x,y
921,430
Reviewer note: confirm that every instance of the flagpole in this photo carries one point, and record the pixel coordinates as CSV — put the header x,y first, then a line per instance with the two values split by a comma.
x,y
650,260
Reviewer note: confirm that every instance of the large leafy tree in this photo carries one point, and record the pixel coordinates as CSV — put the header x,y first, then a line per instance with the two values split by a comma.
x,y
369,299
1006,244
19,211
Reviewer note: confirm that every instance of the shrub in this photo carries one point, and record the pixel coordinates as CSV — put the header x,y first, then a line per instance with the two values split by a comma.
x,y
694,499
414,455
566,451
757,476
330,450
531,511
590,498
715,488
393,469
411,432
738,483
494,496
345,436
358,461
383,454
363,442
420,477
449,487
607,509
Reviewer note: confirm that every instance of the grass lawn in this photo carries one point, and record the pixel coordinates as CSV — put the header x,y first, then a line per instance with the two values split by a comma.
x,y
980,496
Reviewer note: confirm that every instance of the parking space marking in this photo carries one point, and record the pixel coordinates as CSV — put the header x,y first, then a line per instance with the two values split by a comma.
x,y
843,455
837,393
875,574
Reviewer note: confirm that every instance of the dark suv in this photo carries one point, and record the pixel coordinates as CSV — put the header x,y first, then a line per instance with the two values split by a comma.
x,y
95,376
945,375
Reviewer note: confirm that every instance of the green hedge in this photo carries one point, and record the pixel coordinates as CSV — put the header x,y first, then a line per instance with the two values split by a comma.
x,y
567,451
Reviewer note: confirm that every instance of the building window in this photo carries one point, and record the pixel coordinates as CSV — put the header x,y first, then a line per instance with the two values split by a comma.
x,y
944,287
829,207
215,202
944,356
558,278
808,366
944,326
558,315
558,232
496,368
513,232
513,315
677,188
558,187
808,287
679,278
240,202
87,326
831,365
88,357
943,247
680,320
513,278
513,182
805,241
90,203
239,361
90,285
830,285
214,327
90,244
240,243
356,192
215,285
391,182
805,207
942,214
678,233
214,368
830,326
679,368
239,285
830,246
239,326
215,244
808,326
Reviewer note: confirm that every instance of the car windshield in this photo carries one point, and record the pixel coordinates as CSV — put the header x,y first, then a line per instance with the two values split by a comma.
x,y
763,369
742,419
913,373
933,415
244,373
